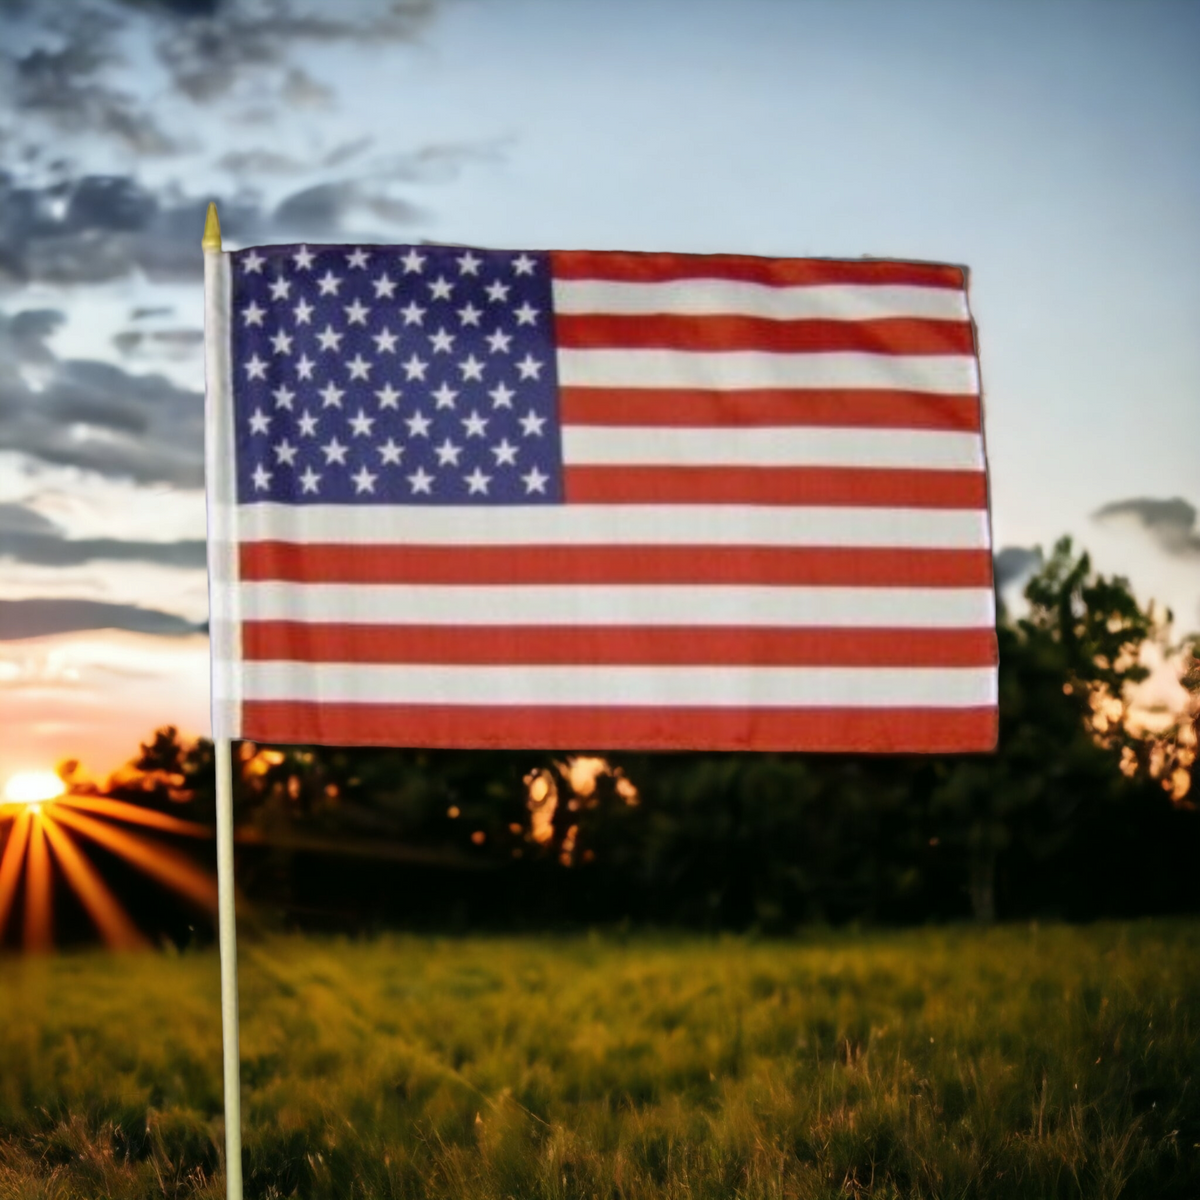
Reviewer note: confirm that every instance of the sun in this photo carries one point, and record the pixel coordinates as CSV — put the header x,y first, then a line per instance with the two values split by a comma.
x,y
32,787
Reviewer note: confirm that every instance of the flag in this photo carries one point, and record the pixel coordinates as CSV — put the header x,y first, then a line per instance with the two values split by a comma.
x,y
477,498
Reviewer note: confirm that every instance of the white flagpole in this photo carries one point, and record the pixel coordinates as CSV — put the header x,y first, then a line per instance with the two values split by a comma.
x,y
217,400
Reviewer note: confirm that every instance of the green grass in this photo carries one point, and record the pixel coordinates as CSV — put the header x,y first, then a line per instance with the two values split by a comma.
x,y
1011,1062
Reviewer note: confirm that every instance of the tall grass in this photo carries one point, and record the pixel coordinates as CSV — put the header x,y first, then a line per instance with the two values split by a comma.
x,y
1011,1062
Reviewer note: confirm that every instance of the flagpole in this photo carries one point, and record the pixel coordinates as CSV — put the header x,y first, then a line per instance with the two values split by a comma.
x,y
216,355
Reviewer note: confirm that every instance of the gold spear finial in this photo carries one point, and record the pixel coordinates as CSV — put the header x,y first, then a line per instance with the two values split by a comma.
x,y
212,231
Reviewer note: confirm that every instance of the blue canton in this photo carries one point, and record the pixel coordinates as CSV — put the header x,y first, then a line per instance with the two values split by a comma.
x,y
394,375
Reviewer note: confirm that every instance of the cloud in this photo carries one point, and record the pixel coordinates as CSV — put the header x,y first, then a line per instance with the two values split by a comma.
x,y
94,415
45,616
1014,564
1171,523
29,537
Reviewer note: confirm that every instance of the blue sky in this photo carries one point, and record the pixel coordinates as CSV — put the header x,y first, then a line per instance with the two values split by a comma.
x,y
1054,149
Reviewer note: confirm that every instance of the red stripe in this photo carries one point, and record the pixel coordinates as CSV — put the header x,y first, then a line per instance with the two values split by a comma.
x,y
715,333
799,566
633,267
889,731
849,486
600,645
843,408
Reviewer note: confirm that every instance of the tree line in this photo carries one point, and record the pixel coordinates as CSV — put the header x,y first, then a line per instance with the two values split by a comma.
x,y
1082,812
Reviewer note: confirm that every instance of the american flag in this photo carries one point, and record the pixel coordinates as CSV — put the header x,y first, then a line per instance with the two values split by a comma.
x,y
477,498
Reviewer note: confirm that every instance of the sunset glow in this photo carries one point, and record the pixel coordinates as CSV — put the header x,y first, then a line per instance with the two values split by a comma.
x,y
47,834
32,787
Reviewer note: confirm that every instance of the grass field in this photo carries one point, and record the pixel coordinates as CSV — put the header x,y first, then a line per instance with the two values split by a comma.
x,y
1011,1062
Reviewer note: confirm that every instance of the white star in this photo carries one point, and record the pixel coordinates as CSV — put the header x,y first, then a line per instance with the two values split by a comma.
x,y
506,453
414,263
285,453
444,395
332,395
358,367
447,452
356,313
304,367
252,314
477,481
385,341
440,288
415,368
283,396
256,368
259,421
475,424
280,288
523,265
390,452
469,314
384,286
329,284
330,339
497,291
471,368
334,451
361,424
502,396
418,425
499,341
309,480
307,424
303,258
535,481
468,264
420,481
262,478
364,481
412,313
531,424
441,341
526,314
252,264
304,312
529,367
387,396
357,258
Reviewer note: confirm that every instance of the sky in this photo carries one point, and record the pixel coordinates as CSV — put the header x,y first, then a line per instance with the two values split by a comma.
x,y
1053,149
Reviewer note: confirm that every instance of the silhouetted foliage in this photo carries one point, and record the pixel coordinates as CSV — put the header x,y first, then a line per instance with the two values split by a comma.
x,y
1079,813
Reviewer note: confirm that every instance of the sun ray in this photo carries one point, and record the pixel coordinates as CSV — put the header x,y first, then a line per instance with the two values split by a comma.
x,y
119,810
169,867
11,864
102,906
39,895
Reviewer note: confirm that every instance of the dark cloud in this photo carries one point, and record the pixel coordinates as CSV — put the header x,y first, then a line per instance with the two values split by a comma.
x,y
29,537
46,616
96,228
208,57
96,416
1014,564
65,79
159,343
1171,523
333,205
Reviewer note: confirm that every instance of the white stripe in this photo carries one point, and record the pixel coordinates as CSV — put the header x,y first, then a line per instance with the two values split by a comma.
x,y
632,604
790,446
708,687
951,374
698,297
613,525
